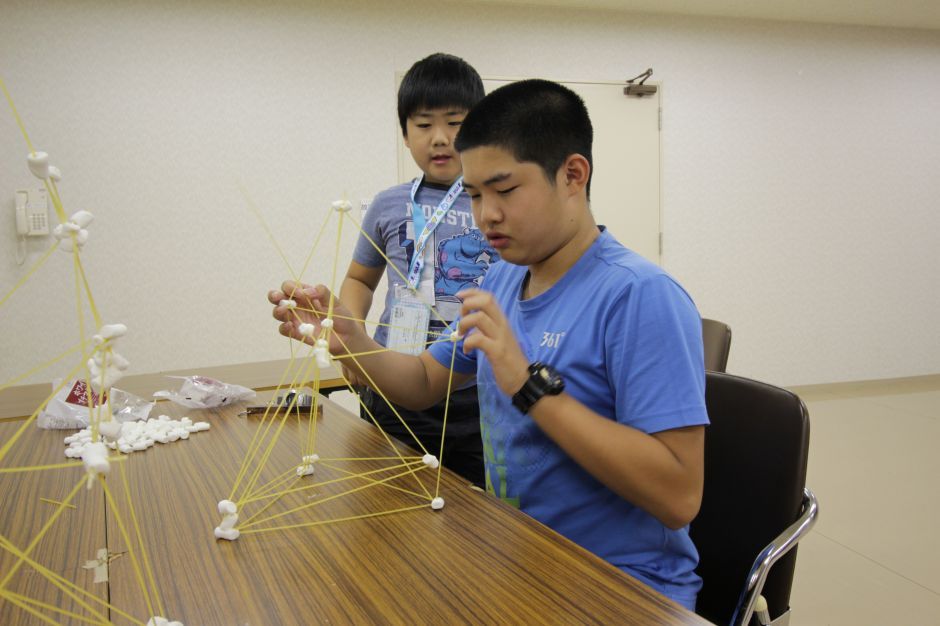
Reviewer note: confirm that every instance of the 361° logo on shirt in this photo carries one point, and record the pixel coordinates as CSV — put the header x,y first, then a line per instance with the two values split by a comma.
x,y
551,340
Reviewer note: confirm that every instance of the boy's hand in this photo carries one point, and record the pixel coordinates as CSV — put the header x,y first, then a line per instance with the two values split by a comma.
x,y
486,328
311,308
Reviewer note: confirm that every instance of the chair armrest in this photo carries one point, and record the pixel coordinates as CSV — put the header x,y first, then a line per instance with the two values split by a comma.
x,y
772,553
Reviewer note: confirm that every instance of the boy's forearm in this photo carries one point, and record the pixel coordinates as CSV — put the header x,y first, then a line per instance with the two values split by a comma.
x,y
403,378
660,473
357,297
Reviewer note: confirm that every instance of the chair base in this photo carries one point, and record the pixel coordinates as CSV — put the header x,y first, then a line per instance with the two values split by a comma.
x,y
782,620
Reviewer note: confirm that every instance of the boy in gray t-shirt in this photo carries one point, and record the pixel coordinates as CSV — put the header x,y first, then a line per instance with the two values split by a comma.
x,y
444,254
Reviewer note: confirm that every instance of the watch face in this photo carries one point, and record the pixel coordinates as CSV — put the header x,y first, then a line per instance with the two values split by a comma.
x,y
551,382
542,381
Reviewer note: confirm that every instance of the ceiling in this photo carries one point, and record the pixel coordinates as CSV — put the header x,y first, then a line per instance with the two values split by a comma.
x,y
923,14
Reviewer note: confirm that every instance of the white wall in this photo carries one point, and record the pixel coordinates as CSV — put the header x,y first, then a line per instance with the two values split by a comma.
x,y
800,165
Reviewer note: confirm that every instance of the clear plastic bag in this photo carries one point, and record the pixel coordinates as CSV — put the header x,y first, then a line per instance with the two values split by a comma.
x,y
69,407
199,392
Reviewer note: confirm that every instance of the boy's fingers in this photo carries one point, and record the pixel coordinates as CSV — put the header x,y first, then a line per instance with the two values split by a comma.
x,y
292,290
473,299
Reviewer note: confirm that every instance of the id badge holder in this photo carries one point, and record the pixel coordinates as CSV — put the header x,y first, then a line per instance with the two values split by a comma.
x,y
408,323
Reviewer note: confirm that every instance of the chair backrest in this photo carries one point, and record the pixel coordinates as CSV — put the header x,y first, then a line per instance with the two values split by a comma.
x,y
756,451
716,339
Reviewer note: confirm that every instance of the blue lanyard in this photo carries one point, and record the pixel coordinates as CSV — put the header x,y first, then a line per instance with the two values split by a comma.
x,y
426,228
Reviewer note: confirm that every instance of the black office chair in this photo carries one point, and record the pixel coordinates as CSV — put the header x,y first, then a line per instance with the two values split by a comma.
x,y
755,506
716,339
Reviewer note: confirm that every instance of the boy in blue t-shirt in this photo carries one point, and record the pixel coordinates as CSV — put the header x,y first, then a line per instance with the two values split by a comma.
x,y
433,98
588,358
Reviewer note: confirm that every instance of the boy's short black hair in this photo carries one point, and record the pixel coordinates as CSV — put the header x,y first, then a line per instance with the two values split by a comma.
x,y
440,80
537,121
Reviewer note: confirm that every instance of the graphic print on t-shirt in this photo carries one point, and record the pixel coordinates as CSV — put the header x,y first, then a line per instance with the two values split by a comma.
x,y
459,261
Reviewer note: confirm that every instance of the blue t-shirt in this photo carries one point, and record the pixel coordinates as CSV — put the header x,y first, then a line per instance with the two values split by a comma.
x,y
457,255
626,338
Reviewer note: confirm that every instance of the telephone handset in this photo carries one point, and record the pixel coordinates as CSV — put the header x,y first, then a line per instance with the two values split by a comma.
x,y
32,212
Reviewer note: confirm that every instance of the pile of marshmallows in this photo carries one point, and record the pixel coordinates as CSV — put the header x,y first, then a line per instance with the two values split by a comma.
x,y
127,437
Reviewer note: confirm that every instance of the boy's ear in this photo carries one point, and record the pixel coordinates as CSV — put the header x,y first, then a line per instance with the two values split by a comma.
x,y
577,172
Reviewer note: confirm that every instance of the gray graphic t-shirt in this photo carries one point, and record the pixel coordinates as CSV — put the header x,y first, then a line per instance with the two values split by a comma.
x,y
457,253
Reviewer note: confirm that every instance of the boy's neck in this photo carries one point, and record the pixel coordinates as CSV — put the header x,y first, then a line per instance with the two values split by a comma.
x,y
544,274
433,184
438,184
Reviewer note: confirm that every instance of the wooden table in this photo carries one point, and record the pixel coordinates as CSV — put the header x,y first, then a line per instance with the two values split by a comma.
x,y
27,503
476,560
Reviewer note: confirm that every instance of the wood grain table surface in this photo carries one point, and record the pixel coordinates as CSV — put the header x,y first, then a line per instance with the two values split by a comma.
x,y
475,561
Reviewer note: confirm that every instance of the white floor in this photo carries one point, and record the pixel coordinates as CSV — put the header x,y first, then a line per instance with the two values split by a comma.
x,y
873,558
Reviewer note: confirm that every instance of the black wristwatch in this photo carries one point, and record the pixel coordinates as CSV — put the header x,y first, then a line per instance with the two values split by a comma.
x,y
543,381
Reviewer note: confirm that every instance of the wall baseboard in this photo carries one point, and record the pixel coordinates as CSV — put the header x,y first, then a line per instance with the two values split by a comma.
x,y
861,388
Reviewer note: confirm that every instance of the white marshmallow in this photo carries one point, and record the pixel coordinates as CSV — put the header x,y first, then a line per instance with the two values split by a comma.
x,y
111,430
66,244
55,173
75,225
306,468
226,529
290,304
38,164
431,461
82,219
111,331
95,456
106,369
327,323
437,503
307,330
342,206
156,620
322,357
231,534
228,521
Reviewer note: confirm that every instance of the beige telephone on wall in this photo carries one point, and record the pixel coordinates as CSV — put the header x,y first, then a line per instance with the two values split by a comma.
x,y
32,212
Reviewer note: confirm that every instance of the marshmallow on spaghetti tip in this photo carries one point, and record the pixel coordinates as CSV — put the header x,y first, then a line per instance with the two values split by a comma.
x,y
342,206
95,457
38,164
158,620
226,529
